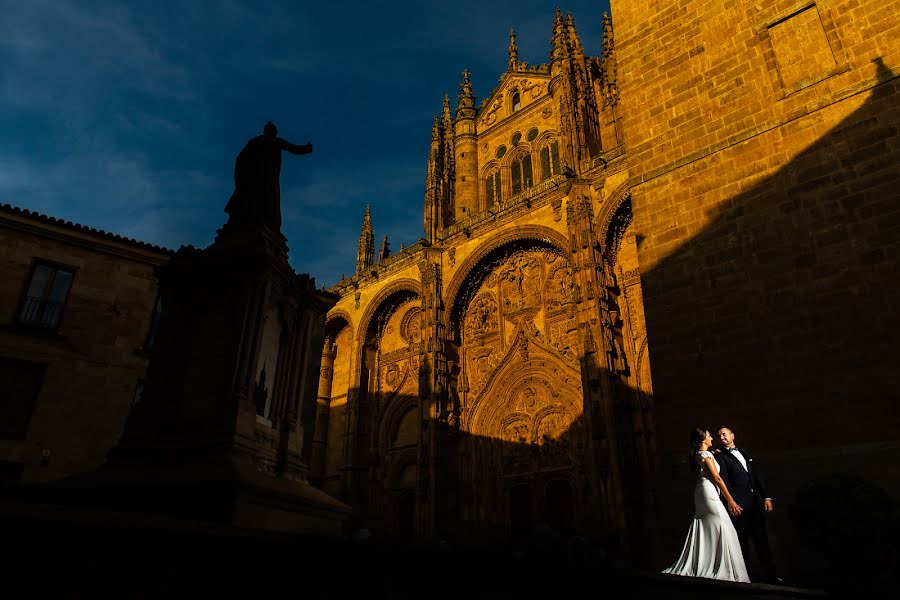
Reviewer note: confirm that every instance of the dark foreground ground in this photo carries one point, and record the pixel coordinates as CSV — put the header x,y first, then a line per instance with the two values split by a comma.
x,y
55,552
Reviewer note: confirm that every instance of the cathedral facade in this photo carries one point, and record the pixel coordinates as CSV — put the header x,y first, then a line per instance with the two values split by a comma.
x,y
495,375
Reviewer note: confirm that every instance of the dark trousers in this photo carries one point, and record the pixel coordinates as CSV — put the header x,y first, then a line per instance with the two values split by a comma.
x,y
751,529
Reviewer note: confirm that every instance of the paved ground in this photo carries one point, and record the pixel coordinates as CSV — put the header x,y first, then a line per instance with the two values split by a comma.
x,y
80,553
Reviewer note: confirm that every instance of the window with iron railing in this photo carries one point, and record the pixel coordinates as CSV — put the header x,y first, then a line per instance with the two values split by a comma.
x,y
46,296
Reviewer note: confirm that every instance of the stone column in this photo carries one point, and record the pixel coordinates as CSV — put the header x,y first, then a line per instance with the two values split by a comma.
x,y
323,406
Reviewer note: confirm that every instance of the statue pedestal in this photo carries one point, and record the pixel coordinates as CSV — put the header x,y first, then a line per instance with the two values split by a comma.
x,y
230,391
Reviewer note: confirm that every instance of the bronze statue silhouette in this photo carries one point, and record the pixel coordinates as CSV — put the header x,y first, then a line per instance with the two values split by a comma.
x,y
257,172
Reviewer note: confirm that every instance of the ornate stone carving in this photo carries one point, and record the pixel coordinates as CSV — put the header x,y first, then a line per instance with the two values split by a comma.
x,y
411,326
392,375
356,298
535,430
396,377
522,345
559,290
563,336
547,113
529,399
481,317
520,283
525,86
491,116
451,255
556,205
481,362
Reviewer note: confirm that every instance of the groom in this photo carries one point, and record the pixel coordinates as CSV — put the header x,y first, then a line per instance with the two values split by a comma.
x,y
749,490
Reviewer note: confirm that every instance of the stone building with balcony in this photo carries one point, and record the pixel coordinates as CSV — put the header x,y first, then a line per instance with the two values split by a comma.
x,y
78,315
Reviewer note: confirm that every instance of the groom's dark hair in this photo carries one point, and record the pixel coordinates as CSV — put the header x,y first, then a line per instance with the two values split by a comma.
x,y
728,427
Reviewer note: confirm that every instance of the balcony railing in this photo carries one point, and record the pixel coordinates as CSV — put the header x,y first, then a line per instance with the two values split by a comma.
x,y
535,190
38,312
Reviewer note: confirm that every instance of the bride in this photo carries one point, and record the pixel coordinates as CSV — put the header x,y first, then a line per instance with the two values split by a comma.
x,y
712,548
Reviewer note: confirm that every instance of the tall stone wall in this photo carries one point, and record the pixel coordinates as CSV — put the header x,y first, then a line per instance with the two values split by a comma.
x,y
764,149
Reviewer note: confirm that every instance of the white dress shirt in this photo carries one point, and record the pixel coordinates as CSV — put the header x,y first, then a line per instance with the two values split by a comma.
x,y
737,454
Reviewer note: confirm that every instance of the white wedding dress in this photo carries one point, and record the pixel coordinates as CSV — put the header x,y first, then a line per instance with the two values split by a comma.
x,y
712,548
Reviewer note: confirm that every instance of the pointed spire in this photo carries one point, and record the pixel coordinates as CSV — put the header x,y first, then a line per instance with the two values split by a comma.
x,y
431,172
465,109
573,37
365,251
385,249
559,37
609,83
607,36
513,51
446,115
435,130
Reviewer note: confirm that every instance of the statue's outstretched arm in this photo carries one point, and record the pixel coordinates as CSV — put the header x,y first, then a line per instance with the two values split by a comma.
x,y
294,148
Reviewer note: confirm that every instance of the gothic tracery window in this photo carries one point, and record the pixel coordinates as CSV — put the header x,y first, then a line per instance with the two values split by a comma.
x,y
492,189
550,160
522,174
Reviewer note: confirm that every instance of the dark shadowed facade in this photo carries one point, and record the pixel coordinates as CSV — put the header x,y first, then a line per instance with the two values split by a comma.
x,y
78,318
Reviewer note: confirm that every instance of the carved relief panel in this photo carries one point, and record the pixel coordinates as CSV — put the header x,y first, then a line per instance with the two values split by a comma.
x,y
398,352
531,288
515,95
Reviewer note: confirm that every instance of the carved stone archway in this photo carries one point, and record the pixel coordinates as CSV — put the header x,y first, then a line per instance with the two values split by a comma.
x,y
521,234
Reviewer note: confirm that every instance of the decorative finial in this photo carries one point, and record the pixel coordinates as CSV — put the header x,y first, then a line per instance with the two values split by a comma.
x,y
513,51
466,106
446,116
607,36
560,37
385,249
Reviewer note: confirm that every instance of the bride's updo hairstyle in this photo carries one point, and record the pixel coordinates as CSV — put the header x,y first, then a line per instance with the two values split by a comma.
x,y
698,434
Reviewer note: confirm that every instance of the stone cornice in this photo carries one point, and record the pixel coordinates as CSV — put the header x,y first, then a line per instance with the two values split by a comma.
x,y
396,262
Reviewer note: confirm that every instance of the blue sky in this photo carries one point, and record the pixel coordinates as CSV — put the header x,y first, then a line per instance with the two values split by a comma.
x,y
127,116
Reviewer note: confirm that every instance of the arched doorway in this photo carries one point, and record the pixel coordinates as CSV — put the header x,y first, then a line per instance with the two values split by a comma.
x,y
518,380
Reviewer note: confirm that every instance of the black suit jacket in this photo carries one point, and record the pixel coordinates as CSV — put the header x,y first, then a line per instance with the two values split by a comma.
x,y
746,486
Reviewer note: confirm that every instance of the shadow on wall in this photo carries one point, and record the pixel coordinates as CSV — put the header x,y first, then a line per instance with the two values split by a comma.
x,y
775,319
534,497
780,318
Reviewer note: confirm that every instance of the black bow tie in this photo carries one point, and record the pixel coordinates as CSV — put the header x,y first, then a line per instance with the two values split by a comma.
x,y
732,449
